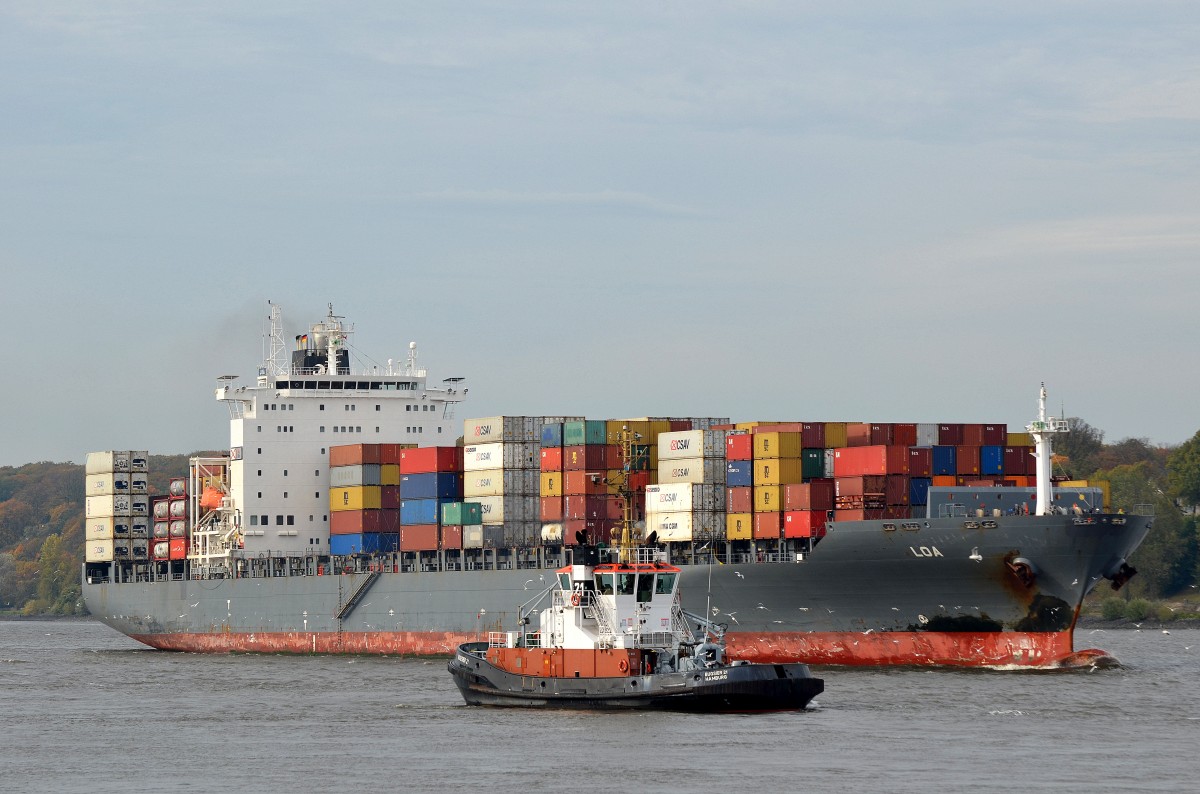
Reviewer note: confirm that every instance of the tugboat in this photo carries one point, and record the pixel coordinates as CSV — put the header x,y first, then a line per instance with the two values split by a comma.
x,y
615,636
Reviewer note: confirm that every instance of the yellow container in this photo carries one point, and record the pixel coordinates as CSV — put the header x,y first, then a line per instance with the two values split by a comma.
x,y
747,427
389,474
551,484
658,426
778,471
768,498
1071,484
739,526
835,435
1019,440
777,445
358,497
1106,490
638,426
615,478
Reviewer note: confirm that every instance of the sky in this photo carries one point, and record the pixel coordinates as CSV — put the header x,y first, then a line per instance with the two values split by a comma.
x,y
777,211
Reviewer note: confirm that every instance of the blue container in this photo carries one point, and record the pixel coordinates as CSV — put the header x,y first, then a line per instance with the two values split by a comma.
x,y
945,461
552,435
421,511
365,543
991,460
739,473
918,490
434,485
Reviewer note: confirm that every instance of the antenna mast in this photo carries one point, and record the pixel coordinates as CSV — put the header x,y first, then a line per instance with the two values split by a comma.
x,y
276,363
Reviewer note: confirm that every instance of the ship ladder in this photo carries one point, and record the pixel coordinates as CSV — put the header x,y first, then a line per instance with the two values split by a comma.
x,y
357,595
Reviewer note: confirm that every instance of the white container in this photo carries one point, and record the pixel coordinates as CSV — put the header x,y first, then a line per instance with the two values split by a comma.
x,y
178,529
138,550
352,476
140,505
139,482
106,462
676,497
161,549
99,550
693,470
139,460
161,509
177,488
691,444
177,509
162,530
830,456
927,435
491,429
107,506
686,525
106,528
506,509
499,482
107,484
516,455
139,527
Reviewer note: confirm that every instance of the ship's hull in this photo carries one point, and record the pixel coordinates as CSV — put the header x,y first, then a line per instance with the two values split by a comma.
x,y
1004,592
736,688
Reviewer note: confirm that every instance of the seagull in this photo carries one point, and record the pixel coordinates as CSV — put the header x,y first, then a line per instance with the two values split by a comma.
x,y
760,606
922,619
716,611
868,631
527,583
1166,632
895,609
731,616
776,621
975,555
804,609
740,575
195,605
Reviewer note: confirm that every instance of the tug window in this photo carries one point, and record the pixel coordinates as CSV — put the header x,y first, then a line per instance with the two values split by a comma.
x,y
666,582
625,583
604,583
564,581
645,587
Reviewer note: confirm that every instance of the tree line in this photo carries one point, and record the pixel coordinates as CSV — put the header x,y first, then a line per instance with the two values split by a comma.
x,y
41,516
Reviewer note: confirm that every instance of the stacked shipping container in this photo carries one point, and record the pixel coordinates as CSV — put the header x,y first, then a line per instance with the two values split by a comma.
x,y
116,506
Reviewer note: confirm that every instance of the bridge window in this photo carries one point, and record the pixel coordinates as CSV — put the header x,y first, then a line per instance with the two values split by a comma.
x,y
665,584
645,587
625,583
604,583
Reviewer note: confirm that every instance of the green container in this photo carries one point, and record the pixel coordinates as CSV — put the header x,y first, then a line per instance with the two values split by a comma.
x,y
456,514
589,431
639,457
812,463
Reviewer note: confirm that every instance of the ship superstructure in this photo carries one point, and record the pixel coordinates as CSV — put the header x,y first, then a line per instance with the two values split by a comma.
x,y
275,481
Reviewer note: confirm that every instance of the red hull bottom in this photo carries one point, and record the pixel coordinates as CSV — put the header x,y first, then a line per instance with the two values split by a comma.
x,y
924,649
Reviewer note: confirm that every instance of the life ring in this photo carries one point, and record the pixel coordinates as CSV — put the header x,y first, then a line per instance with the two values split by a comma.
x,y
623,666
574,599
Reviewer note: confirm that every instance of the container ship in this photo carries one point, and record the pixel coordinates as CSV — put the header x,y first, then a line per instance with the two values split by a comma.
x,y
350,516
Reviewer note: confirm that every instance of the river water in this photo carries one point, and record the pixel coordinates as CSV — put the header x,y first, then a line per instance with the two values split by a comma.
x,y
85,709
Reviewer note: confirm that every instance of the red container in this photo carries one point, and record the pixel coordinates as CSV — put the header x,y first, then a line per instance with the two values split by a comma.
x,y
767,526
968,459
419,537
451,537
866,485
739,500
638,480
585,457
612,456
739,447
920,461
882,434
904,435
950,435
852,461
803,523
942,480
972,436
858,434
585,482
812,435
389,454
353,454
895,490
969,481
550,508
995,435
355,522
812,495
777,427
1019,461
897,511
859,514
596,530
426,460
682,424
389,497
578,506
179,548
551,459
